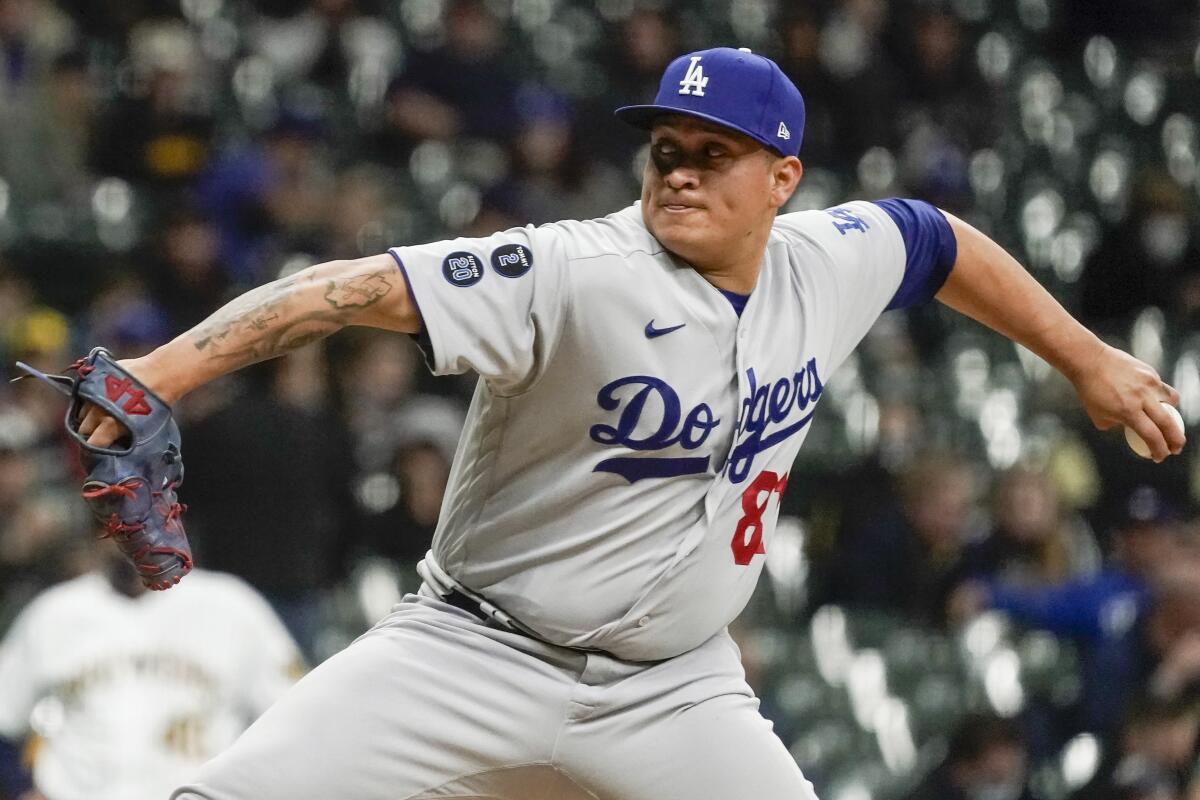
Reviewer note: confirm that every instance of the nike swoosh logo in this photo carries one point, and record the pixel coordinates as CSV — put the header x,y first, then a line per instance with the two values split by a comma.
x,y
652,332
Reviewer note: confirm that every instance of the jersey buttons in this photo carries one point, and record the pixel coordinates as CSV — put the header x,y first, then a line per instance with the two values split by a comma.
x,y
643,622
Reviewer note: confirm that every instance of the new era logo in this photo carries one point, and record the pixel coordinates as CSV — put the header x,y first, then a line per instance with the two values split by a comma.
x,y
784,133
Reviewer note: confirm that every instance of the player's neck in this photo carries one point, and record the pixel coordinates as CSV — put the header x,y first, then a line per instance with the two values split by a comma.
x,y
738,281
737,270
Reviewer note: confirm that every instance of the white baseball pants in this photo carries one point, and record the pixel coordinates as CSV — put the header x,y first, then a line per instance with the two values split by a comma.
x,y
434,703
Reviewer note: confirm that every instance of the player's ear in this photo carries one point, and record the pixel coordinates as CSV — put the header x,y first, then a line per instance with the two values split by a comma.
x,y
785,176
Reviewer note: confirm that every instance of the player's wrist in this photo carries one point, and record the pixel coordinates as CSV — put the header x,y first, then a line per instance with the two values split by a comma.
x,y
1076,352
160,371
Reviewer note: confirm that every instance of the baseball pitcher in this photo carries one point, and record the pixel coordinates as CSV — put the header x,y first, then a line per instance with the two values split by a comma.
x,y
646,382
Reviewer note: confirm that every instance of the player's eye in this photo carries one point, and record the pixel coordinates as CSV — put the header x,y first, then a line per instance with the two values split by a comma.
x,y
714,151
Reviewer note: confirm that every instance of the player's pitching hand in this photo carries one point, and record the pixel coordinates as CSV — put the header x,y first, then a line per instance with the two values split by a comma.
x,y
1118,389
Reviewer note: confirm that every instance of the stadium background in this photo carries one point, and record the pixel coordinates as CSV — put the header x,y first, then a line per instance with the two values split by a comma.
x,y
158,156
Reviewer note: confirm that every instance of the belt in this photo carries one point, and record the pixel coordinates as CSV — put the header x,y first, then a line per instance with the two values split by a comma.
x,y
444,588
502,621
460,600
496,619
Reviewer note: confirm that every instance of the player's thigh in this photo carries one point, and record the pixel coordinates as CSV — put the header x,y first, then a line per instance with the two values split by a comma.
x,y
719,749
689,728
409,707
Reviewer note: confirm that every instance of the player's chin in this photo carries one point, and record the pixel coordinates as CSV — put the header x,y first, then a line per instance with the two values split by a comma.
x,y
682,225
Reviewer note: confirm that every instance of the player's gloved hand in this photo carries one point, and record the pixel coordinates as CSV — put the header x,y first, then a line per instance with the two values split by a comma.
x,y
1118,389
103,429
132,454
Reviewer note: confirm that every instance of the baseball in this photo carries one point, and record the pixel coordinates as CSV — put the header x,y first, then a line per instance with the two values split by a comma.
x,y
1138,445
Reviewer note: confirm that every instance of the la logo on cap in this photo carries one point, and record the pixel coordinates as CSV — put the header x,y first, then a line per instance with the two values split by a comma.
x,y
694,81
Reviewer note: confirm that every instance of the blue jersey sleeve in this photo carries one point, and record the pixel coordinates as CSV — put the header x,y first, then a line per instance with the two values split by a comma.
x,y
930,250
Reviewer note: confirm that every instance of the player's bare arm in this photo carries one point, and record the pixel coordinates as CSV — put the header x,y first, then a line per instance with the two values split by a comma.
x,y
988,285
269,321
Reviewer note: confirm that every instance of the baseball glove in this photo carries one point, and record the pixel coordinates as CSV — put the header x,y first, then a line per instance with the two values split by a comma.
x,y
130,489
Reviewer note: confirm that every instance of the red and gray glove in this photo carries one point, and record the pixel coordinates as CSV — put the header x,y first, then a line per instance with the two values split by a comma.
x,y
131,489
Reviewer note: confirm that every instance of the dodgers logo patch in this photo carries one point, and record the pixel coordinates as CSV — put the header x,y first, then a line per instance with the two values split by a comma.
x,y
512,260
462,269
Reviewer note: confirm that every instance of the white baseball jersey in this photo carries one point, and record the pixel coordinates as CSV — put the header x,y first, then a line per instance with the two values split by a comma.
x,y
130,695
617,483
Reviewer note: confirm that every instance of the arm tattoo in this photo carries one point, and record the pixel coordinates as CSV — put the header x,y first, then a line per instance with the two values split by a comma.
x,y
358,292
279,317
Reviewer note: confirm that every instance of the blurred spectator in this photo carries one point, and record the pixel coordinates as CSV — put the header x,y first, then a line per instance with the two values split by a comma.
x,y
40,541
268,487
126,320
461,88
33,34
987,760
1145,260
1105,613
553,178
270,196
801,61
906,557
499,210
942,120
645,42
400,515
17,303
44,150
1033,543
159,134
184,271
325,43
39,336
866,89
127,691
363,199
376,376
1173,638
1153,756
18,434
855,498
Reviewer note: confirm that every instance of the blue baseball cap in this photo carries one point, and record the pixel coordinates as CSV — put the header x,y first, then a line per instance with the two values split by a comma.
x,y
733,88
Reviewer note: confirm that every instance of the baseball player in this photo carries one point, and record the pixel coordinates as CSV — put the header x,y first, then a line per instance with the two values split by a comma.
x,y
125,692
646,382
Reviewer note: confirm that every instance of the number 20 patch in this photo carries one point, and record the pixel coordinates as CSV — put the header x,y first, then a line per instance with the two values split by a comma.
x,y
462,269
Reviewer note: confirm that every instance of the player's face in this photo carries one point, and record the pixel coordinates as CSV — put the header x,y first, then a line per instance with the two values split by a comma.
x,y
710,194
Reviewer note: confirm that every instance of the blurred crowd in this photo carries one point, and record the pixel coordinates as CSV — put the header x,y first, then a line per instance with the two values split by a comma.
x,y
159,156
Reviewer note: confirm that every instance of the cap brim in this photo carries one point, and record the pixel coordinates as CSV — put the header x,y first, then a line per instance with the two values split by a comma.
x,y
643,117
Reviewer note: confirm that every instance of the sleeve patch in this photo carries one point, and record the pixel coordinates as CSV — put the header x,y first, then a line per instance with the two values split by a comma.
x,y
512,260
462,269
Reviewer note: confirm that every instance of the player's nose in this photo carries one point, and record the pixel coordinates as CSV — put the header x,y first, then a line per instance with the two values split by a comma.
x,y
682,177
